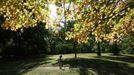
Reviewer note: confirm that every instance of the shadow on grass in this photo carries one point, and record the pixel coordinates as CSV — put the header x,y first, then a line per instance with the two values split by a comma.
x,y
99,66
83,71
105,65
22,65
122,58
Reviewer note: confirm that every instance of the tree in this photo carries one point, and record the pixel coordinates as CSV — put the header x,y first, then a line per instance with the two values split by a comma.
x,y
24,42
97,18
101,19
23,13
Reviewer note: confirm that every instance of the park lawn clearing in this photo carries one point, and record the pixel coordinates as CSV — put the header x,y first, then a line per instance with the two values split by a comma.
x,y
85,64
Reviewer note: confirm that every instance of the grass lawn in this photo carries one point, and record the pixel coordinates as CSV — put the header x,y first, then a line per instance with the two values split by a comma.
x,y
85,64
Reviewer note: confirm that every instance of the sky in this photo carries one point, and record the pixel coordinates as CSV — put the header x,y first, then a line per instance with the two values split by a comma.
x,y
53,14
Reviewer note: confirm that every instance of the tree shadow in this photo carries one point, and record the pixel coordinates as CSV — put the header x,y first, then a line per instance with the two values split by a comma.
x,y
99,66
22,65
83,71
122,58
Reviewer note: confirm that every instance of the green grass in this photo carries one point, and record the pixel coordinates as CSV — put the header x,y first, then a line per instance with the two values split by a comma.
x,y
85,64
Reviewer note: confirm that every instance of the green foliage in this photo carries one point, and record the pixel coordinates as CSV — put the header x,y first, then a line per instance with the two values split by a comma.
x,y
24,42
127,45
96,23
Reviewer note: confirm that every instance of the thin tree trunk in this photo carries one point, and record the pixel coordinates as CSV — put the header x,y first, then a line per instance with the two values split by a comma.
x,y
98,49
115,49
75,50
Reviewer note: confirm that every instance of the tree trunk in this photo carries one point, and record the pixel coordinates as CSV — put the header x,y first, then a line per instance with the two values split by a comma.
x,y
98,49
75,50
115,49
75,54
60,61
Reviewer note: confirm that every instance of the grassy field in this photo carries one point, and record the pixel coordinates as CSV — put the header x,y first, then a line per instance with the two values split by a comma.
x,y
85,64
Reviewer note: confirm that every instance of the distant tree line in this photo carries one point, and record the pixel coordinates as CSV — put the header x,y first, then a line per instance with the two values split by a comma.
x,y
89,27
38,40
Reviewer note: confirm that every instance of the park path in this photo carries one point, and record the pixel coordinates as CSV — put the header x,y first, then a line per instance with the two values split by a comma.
x,y
54,68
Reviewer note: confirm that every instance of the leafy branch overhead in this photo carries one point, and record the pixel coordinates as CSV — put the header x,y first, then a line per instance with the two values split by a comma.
x,y
23,13
101,19
106,20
